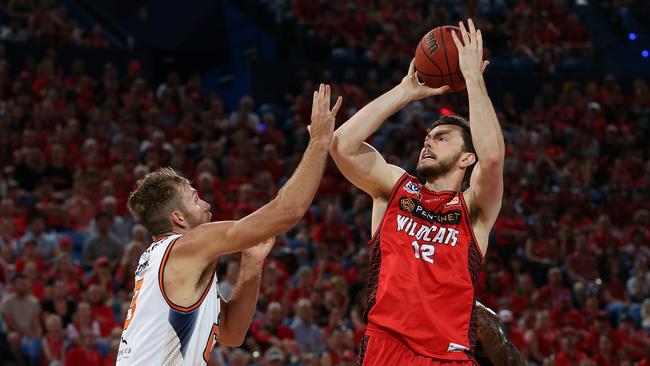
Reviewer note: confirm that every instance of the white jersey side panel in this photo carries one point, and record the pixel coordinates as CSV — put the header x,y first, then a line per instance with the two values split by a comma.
x,y
158,332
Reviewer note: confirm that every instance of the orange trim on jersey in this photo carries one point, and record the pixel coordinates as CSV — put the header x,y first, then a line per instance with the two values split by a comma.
x,y
392,195
469,223
161,274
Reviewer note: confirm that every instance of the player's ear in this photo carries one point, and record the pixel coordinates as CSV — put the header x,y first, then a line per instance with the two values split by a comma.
x,y
178,219
467,159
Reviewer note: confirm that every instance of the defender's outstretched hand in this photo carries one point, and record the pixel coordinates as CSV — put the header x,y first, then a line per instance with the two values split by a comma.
x,y
470,50
416,90
260,251
322,118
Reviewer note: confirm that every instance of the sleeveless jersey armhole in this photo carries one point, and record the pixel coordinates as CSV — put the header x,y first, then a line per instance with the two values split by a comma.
x,y
161,282
393,193
469,224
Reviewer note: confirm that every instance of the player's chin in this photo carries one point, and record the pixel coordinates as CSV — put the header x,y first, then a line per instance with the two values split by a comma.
x,y
425,163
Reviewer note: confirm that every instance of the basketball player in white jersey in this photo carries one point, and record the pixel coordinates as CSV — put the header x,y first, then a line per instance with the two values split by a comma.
x,y
176,314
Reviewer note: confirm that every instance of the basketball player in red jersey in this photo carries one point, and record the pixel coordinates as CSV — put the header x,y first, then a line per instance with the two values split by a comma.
x,y
176,314
429,239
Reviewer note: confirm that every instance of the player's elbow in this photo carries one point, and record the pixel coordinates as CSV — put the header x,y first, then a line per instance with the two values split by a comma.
x,y
232,340
340,146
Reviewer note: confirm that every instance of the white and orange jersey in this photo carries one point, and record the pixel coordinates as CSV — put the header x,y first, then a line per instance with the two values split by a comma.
x,y
159,332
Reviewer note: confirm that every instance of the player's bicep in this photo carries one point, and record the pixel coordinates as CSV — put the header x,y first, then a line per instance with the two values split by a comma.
x,y
368,170
485,192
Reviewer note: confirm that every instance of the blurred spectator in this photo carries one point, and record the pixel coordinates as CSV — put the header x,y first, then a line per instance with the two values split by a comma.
x,y
120,227
59,304
308,335
21,315
46,243
54,341
270,331
102,244
85,351
227,285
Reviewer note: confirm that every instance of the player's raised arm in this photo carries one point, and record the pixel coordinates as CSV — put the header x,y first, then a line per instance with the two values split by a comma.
x,y
486,183
209,241
358,161
237,313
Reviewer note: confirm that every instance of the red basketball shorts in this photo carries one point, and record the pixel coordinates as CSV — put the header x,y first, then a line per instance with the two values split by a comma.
x,y
382,350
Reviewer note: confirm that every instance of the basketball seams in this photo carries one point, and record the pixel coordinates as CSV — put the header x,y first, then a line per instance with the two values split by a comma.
x,y
442,39
426,54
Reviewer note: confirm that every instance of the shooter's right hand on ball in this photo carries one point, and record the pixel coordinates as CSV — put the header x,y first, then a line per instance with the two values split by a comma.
x,y
413,89
322,118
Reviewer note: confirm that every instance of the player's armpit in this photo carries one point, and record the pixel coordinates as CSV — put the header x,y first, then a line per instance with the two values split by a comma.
x,y
366,168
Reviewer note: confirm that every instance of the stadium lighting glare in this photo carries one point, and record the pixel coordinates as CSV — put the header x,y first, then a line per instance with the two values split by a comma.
x,y
632,36
645,53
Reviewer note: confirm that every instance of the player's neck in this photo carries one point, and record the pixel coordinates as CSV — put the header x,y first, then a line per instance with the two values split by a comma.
x,y
161,236
447,182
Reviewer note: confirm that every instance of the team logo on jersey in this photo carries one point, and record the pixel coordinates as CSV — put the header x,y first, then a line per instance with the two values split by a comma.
x,y
407,204
414,207
453,202
412,188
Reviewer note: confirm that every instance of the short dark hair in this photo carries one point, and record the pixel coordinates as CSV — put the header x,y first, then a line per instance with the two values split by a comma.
x,y
462,123
155,197
468,145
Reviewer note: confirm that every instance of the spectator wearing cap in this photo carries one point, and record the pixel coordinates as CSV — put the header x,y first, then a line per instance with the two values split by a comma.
x,y
46,243
514,332
102,244
21,315
564,313
102,275
308,335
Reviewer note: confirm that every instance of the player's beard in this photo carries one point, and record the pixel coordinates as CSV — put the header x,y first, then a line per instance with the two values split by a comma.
x,y
196,220
439,167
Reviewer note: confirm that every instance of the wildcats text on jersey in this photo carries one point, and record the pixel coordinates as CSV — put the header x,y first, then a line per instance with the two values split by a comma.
x,y
431,234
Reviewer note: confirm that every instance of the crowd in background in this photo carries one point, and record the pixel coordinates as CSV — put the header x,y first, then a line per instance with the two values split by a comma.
x,y
541,36
566,269
45,21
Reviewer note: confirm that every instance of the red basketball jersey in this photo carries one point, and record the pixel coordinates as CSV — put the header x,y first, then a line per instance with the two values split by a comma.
x,y
423,270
